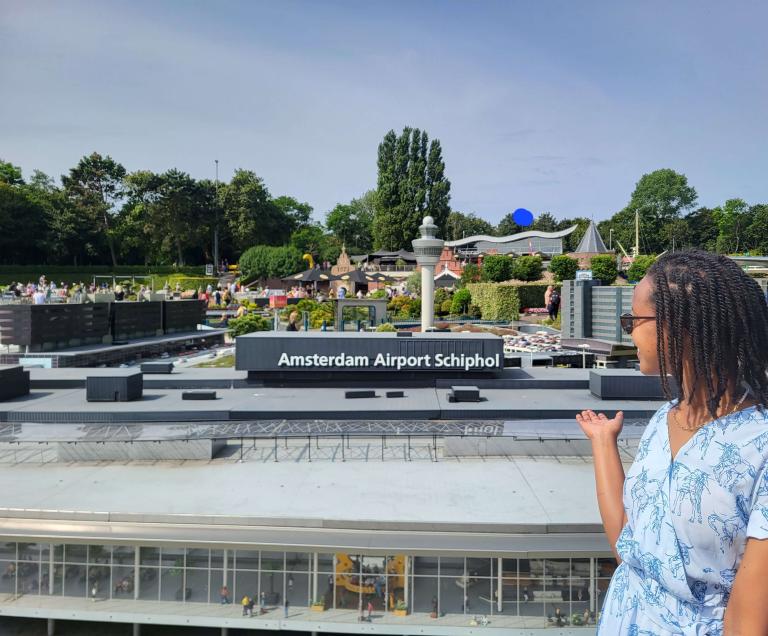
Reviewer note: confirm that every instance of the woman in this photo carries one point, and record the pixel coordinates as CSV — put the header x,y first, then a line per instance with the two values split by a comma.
x,y
292,319
691,533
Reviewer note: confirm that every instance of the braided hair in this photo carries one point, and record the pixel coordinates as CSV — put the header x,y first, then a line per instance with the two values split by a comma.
x,y
709,311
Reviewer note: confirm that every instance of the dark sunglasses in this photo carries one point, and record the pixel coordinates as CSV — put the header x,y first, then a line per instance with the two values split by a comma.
x,y
627,321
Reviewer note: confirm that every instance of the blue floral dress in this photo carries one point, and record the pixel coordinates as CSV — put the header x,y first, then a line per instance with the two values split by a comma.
x,y
688,521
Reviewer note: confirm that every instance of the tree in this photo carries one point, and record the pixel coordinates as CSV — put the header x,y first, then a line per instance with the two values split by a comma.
x,y
10,174
297,215
352,223
563,267
571,242
702,229
460,226
527,268
545,222
461,301
507,226
756,233
251,215
732,222
411,184
94,186
639,267
604,268
497,268
22,221
413,283
660,197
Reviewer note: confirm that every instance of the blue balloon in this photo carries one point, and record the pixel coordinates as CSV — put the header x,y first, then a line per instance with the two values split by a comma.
x,y
523,217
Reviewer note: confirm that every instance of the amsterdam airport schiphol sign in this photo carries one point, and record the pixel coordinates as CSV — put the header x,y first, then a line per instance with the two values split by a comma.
x,y
286,352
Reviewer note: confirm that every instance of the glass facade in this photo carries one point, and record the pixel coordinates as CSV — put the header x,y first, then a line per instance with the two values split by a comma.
x,y
437,585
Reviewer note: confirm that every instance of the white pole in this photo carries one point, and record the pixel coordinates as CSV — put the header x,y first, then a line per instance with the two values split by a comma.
x,y
427,297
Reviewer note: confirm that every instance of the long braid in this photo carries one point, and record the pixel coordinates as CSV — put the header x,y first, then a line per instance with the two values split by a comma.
x,y
713,315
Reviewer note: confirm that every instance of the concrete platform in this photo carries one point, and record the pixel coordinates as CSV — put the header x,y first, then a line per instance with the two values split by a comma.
x,y
243,404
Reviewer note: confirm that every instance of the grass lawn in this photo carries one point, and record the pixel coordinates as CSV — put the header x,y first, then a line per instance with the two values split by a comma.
x,y
227,360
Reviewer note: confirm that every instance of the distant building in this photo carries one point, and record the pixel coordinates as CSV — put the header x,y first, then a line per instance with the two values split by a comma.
x,y
591,244
547,244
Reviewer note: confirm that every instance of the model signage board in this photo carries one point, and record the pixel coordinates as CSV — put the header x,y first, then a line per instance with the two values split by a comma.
x,y
435,353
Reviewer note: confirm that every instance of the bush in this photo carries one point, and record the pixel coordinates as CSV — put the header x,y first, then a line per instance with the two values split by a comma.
x,y
441,295
445,307
386,327
248,324
475,311
497,301
527,268
497,268
470,274
185,282
266,261
639,267
604,268
460,302
378,293
531,295
563,267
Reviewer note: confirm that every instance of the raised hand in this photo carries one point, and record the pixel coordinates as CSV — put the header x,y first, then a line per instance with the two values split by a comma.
x,y
598,426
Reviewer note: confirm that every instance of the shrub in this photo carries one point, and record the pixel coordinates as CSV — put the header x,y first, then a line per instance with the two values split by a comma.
x,y
563,267
475,311
445,307
470,274
386,327
639,267
527,268
460,302
248,324
378,293
531,295
441,295
497,301
497,268
266,261
604,268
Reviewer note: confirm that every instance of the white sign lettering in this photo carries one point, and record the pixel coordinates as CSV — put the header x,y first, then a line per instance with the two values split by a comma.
x,y
391,361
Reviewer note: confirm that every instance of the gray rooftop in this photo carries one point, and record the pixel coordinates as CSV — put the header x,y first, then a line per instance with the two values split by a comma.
x,y
592,242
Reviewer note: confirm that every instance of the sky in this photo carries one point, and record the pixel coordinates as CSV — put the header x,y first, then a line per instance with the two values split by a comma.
x,y
552,106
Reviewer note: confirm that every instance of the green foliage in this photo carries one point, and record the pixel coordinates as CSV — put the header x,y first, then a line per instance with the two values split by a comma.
x,y
531,295
445,307
413,283
470,274
461,301
248,324
497,268
604,268
184,281
497,301
563,267
411,184
404,307
732,220
352,223
10,174
507,226
459,226
378,293
527,268
266,261
639,267
441,295
386,327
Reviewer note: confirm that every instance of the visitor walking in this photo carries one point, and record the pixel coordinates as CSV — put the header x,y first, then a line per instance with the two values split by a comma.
x,y
292,319
688,521
552,302
285,607
246,603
